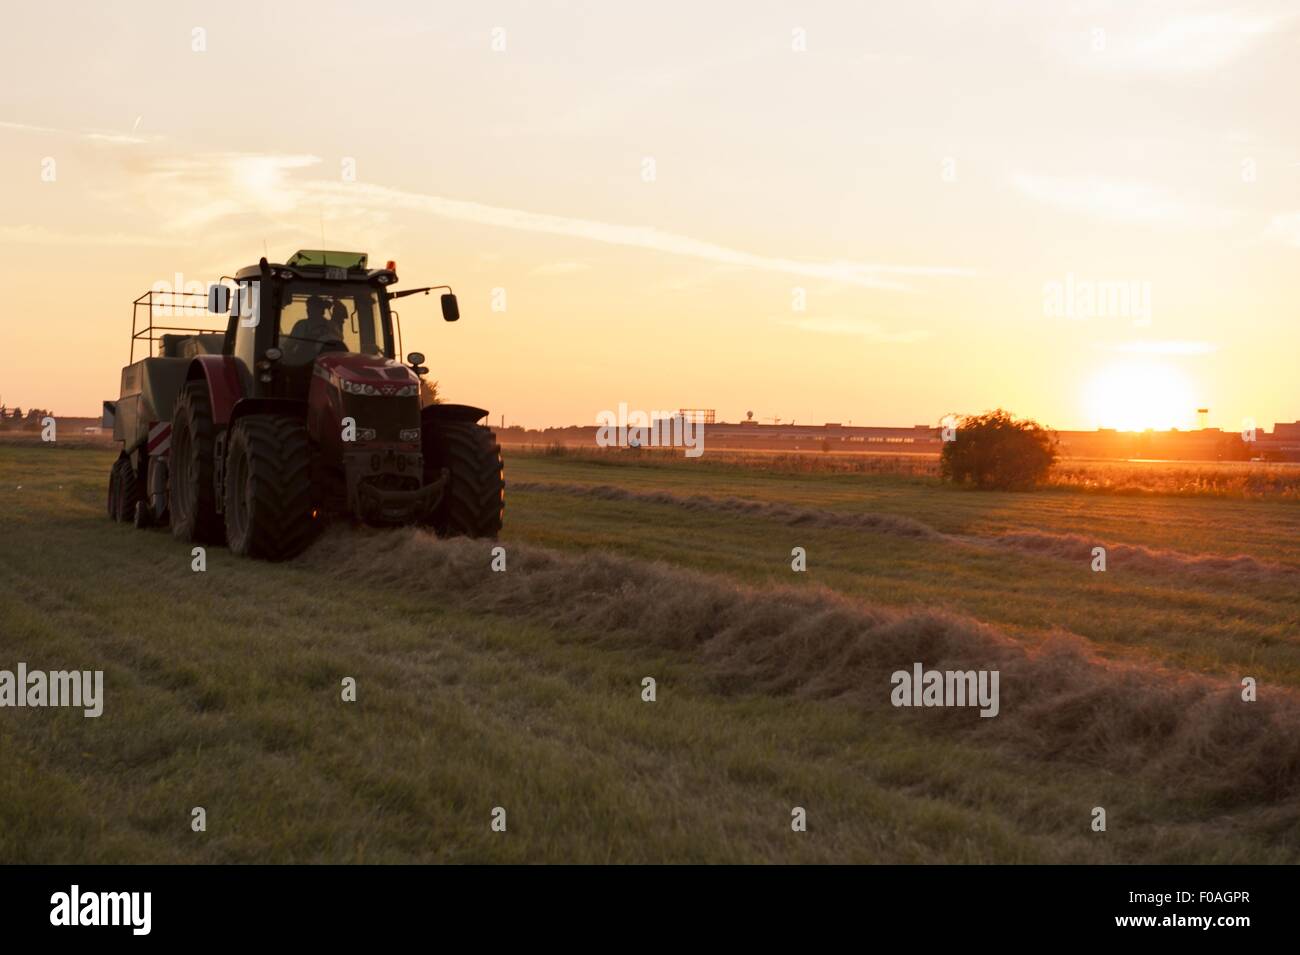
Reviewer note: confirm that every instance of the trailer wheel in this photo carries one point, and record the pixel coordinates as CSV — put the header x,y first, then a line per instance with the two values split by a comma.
x,y
474,500
191,496
114,489
128,490
268,503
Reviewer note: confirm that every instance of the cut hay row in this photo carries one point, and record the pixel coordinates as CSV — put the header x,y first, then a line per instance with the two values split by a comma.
x,y
1059,699
785,513
1138,558
1071,547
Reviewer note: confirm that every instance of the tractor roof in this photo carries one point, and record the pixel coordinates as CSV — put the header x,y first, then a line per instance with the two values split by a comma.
x,y
322,259
323,264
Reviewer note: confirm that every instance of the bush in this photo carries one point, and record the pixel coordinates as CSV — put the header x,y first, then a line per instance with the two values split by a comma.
x,y
995,450
429,393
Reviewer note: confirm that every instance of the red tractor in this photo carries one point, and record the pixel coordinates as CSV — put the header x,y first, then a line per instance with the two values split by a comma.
x,y
299,410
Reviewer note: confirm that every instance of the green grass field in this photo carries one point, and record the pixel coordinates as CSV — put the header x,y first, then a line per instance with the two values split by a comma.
x,y
522,689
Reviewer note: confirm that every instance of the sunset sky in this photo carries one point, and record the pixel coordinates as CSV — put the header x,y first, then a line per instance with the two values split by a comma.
x,y
936,177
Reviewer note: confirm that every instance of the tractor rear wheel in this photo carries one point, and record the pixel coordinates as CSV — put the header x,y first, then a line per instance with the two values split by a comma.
x,y
474,499
268,503
191,495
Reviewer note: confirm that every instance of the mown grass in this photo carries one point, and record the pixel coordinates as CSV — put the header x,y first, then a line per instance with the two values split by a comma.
x,y
1264,527
223,691
1275,480
1223,625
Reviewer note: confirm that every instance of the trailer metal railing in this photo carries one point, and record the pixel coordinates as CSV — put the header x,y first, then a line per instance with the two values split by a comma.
x,y
165,305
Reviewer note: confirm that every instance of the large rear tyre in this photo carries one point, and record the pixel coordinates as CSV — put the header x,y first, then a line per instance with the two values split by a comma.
x,y
268,505
473,503
191,494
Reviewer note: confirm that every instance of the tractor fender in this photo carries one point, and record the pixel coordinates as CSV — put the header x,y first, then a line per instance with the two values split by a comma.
x,y
467,414
285,407
224,387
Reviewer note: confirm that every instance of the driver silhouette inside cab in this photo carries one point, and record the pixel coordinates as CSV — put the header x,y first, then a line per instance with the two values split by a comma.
x,y
310,333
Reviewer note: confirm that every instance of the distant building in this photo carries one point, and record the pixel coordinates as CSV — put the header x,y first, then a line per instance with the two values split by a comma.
x,y
698,415
1209,444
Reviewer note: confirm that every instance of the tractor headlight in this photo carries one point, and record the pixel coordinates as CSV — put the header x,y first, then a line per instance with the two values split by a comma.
x,y
357,387
408,391
366,434
409,434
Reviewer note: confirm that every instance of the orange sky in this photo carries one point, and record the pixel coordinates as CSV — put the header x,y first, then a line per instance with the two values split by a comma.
x,y
876,215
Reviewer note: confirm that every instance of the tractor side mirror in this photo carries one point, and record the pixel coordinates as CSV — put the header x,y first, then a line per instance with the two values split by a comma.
x,y
218,299
450,310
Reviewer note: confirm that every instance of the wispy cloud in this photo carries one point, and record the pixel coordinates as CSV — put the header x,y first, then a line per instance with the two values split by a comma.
x,y
1121,200
109,137
857,328
39,235
868,275
199,191
1156,39
561,268
1164,348
27,127
1284,227
116,139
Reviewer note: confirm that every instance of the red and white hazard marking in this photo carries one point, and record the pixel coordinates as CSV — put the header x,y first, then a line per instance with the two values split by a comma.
x,y
160,437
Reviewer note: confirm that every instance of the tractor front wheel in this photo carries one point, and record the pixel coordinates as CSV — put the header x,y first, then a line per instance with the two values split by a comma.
x,y
268,488
474,500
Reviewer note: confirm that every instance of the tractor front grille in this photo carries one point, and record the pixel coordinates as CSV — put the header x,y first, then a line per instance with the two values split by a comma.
x,y
386,417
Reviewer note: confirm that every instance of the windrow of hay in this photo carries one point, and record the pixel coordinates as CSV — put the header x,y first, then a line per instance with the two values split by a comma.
x,y
785,513
1072,547
1058,700
1138,558
791,461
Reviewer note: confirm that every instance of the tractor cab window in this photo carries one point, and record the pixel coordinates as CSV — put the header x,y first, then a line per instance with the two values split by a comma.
x,y
315,316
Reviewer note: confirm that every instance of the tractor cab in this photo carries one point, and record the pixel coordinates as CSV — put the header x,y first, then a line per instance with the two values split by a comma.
x,y
283,316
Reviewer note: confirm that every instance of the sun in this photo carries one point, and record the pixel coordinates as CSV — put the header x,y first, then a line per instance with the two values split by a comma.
x,y
1134,396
